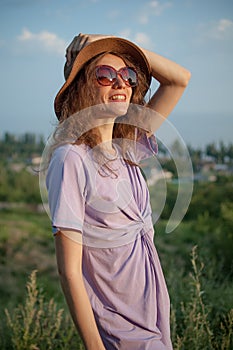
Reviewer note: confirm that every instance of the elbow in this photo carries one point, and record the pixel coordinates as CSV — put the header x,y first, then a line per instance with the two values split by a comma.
x,y
182,79
68,275
61,272
69,280
186,78
63,276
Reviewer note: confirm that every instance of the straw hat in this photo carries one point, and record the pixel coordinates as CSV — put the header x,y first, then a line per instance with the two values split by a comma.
x,y
109,44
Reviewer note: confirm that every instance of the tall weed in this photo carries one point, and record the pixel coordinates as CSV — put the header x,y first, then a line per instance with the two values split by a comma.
x,y
40,325
196,332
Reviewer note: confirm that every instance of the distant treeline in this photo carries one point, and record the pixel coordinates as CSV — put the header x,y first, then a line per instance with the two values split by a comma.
x,y
24,146
218,151
20,147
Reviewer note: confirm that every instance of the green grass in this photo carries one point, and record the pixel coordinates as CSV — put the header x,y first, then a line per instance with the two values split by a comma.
x,y
26,244
200,289
40,324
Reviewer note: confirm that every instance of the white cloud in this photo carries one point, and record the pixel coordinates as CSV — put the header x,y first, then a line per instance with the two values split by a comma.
x,y
125,33
153,8
26,35
143,18
224,26
157,7
218,30
46,40
140,38
143,40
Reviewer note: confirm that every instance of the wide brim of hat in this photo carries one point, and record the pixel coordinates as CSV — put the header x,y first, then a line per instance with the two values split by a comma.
x,y
111,44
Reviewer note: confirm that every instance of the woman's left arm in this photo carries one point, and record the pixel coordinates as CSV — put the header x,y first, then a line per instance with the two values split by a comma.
x,y
173,80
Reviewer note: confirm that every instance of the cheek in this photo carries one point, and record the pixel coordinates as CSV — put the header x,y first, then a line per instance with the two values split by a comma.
x,y
98,92
102,93
131,94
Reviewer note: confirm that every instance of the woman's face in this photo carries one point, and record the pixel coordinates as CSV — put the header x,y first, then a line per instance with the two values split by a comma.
x,y
115,97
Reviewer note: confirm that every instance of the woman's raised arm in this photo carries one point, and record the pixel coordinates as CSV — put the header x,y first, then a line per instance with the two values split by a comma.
x,y
173,80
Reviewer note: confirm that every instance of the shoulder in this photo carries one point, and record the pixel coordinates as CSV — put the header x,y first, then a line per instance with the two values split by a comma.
x,y
67,162
67,159
69,153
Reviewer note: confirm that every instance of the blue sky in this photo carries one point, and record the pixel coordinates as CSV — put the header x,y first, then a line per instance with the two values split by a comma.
x,y
196,34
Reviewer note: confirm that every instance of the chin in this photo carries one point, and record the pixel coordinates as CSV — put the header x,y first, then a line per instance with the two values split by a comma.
x,y
116,109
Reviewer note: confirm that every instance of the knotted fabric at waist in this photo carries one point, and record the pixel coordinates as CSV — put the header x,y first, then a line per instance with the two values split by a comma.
x,y
105,237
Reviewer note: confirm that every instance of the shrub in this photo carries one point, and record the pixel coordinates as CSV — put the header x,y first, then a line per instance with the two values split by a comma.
x,y
40,325
195,331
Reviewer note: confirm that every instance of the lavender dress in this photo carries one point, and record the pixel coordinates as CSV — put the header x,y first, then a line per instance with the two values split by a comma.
x,y
121,269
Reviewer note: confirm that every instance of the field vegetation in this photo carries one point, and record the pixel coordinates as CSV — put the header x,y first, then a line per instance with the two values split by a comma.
x,y
196,258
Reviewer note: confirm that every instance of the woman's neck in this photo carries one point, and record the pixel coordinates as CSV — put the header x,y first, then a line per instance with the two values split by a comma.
x,y
105,132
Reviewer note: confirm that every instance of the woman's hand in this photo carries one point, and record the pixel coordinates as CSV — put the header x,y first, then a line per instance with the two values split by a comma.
x,y
78,43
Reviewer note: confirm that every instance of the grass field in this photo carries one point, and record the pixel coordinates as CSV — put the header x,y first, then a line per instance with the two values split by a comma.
x,y
201,292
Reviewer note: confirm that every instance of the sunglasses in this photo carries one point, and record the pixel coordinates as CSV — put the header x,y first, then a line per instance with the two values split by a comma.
x,y
107,75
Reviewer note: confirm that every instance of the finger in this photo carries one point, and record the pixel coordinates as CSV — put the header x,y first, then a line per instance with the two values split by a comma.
x,y
68,57
69,54
80,43
72,49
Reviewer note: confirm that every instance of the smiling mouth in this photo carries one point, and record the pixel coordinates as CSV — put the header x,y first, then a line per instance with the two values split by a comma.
x,y
116,98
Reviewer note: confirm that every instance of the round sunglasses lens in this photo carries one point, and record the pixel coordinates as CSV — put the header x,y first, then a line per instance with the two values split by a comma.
x,y
129,76
105,75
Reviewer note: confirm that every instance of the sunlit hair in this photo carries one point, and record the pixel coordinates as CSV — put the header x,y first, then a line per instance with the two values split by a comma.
x,y
80,95
82,91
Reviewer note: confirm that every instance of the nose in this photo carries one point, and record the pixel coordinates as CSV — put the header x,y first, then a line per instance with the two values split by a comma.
x,y
119,83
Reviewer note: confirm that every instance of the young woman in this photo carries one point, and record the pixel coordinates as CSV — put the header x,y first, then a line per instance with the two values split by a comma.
x,y
99,202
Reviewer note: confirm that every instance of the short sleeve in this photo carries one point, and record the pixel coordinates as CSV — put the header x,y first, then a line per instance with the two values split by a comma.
x,y
66,189
145,147
150,144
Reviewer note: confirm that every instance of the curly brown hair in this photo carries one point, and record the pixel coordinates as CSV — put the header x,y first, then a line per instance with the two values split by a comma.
x,y
81,95
76,122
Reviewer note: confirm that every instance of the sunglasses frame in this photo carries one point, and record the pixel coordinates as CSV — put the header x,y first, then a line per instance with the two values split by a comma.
x,y
117,72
